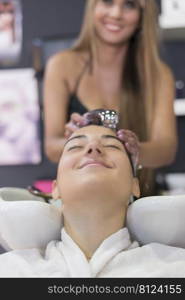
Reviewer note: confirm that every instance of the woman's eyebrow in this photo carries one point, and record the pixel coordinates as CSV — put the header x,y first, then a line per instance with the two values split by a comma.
x,y
75,137
108,136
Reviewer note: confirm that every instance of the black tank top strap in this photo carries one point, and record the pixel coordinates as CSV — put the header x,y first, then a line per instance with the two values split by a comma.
x,y
75,104
85,67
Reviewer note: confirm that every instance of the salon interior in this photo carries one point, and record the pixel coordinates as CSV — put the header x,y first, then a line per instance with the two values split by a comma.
x,y
39,29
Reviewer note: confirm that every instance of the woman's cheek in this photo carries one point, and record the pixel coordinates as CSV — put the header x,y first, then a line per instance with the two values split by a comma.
x,y
69,161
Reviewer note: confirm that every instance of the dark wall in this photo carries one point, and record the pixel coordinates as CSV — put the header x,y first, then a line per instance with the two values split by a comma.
x,y
41,18
49,18
173,52
57,17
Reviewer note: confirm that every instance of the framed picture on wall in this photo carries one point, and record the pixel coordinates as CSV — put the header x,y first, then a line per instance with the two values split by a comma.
x,y
10,32
19,118
173,13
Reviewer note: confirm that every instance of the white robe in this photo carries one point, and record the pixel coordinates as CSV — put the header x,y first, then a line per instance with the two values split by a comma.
x,y
117,256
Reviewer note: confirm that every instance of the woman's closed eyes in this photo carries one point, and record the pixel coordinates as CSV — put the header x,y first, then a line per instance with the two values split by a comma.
x,y
75,147
113,146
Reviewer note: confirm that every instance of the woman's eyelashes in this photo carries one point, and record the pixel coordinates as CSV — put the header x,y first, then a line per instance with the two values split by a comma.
x,y
130,4
74,147
79,147
113,146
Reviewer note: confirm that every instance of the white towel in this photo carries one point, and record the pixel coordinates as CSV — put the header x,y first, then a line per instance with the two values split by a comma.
x,y
117,256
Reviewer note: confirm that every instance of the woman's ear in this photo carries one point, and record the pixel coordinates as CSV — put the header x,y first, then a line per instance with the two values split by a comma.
x,y
136,188
55,191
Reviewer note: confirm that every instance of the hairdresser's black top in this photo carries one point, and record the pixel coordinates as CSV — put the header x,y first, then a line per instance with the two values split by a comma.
x,y
75,105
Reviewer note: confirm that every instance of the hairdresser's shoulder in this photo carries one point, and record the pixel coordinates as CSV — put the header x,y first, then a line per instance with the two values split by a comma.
x,y
66,58
166,72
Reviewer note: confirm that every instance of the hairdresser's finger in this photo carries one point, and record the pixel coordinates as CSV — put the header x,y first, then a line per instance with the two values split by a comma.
x,y
71,126
123,137
67,133
69,129
134,155
127,133
75,117
131,142
133,150
78,119
126,136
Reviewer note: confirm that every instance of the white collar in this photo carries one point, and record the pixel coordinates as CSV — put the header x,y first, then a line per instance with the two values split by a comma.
x,y
78,264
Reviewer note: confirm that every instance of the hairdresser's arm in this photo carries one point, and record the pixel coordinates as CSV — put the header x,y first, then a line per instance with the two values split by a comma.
x,y
57,90
56,94
160,150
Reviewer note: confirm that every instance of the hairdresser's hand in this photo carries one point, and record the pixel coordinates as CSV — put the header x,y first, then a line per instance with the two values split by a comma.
x,y
76,121
131,143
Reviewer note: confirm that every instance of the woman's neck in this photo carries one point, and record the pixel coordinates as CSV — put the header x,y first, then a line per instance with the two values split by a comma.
x,y
108,55
90,228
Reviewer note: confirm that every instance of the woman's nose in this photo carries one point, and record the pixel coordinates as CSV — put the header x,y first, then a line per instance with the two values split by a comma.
x,y
115,12
94,149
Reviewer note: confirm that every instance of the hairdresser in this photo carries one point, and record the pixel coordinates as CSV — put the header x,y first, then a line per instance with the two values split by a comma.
x,y
114,64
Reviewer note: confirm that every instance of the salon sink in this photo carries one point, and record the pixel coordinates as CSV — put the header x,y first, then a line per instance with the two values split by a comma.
x,y
17,194
158,219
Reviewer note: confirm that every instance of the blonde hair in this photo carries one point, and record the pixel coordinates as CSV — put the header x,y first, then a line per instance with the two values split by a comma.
x,y
141,73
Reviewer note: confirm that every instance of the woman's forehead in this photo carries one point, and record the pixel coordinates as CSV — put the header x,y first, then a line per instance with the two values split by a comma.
x,y
93,130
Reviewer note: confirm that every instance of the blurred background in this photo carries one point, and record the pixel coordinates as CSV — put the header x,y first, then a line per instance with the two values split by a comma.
x,y
37,29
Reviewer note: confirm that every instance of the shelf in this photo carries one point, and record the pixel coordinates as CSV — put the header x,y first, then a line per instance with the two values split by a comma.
x,y
177,33
172,26
176,183
179,107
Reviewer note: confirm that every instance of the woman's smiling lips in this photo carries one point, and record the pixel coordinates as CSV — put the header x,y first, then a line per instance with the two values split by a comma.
x,y
112,27
94,163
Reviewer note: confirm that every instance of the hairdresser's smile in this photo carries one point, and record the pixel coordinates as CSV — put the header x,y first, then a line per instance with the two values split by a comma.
x,y
116,21
112,27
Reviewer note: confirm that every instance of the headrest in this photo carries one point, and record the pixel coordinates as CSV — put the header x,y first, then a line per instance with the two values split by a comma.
x,y
158,219
28,224
32,224
17,194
